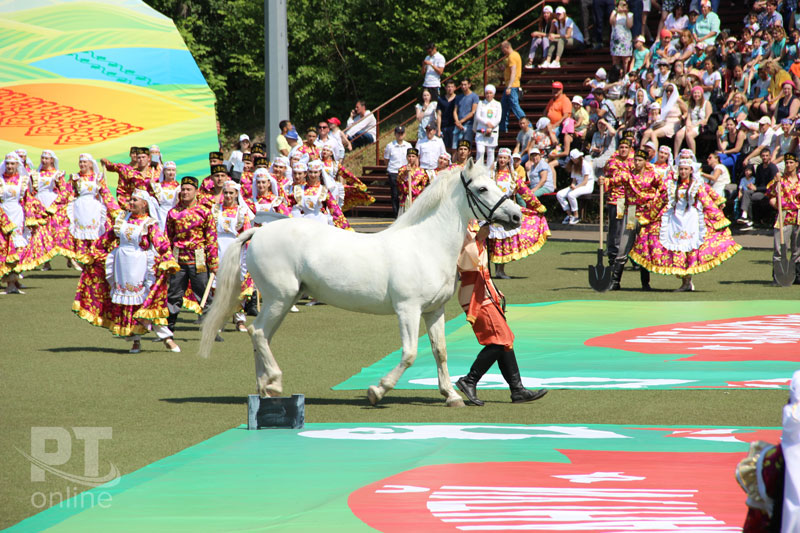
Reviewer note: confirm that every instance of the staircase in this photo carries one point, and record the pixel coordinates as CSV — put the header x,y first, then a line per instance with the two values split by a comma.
x,y
576,66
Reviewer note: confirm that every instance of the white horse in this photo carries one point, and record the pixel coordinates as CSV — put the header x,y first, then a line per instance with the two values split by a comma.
x,y
409,269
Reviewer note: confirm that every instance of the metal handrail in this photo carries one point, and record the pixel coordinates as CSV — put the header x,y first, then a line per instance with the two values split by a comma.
x,y
484,55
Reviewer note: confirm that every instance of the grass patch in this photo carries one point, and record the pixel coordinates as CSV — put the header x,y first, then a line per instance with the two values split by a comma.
x,y
59,371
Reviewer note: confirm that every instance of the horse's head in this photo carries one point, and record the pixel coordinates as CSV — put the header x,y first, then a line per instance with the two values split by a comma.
x,y
486,200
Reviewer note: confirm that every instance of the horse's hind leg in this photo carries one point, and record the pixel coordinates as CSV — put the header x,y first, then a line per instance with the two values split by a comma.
x,y
434,321
409,336
268,374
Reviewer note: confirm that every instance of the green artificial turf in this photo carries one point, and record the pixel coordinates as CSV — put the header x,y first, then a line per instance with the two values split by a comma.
x,y
57,370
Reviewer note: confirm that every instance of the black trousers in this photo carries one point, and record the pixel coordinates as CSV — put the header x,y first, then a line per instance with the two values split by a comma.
x,y
177,287
395,193
615,229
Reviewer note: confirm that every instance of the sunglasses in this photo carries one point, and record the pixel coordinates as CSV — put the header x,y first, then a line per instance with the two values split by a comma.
x,y
323,126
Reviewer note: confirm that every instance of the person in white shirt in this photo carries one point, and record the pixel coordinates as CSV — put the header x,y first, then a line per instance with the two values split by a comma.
x,y
361,126
430,148
765,135
432,69
582,176
487,130
339,136
395,156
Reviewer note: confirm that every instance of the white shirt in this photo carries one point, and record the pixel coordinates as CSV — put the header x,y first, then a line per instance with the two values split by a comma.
x,y
487,112
587,170
358,124
432,78
765,139
395,154
429,152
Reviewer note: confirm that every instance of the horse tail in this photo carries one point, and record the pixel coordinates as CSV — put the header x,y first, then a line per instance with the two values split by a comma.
x,y
226,296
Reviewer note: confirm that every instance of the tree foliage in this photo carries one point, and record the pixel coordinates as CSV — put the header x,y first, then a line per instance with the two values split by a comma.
x,y
339,50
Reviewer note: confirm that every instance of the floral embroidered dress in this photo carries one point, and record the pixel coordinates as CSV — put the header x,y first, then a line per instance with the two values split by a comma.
x,y
505,246
28,233
351,191
231,222
91,210
246,182
664,171
50,187
311,151
790,199
131,179
534,229
691,235
8,252
127,278
270,201
165,197
639,189
410,183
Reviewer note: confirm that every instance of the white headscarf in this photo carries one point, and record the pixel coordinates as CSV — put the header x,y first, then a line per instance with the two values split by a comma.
x,y
641,109
168,164
11,156
670,160
88,157
668,104
51,154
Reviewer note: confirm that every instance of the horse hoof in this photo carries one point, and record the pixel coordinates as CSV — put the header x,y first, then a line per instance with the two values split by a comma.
x,y
454,402
373,395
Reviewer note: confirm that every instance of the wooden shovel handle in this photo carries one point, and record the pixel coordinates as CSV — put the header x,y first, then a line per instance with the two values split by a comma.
x,y
780,211
602,201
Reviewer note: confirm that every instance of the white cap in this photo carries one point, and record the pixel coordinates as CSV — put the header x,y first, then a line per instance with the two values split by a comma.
x,y
547,9
535,150
577,100
764,120
641,38
299,167
575,154
516,155
504,151
155,148
655,106
651,144
489,89
170,164
542,123
315,165
244,137
560,10
601,73
260,173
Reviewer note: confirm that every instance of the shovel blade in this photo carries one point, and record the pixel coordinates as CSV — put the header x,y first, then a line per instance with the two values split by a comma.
x,y
600,275
784,269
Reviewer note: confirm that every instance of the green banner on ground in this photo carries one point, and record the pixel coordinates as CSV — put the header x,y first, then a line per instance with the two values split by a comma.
x,y
428,477
625,345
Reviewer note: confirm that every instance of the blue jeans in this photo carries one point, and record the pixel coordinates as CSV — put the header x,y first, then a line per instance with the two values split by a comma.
x,y
636,7
466,134
510,102
364,140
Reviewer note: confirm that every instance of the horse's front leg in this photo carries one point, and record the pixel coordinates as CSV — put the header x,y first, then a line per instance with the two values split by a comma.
x,y
434,321
409,336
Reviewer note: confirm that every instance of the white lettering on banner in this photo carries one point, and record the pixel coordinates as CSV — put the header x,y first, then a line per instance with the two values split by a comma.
x,y
599,476
496,381
738,335
571,509
461,432
400,489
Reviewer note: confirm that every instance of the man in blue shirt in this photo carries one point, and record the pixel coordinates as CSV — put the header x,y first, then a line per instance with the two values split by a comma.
x,y
463,113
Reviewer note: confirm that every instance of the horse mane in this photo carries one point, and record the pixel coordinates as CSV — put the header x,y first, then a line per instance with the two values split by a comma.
x,y
429,200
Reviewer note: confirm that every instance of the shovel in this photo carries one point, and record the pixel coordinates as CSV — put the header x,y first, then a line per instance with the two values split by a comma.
x,y
599,274
784,269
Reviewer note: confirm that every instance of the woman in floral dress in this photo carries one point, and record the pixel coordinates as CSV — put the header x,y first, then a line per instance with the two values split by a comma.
x,y
691,234
164,193
505,246
351,191
23,224
50,187
621,40
123,287
91,209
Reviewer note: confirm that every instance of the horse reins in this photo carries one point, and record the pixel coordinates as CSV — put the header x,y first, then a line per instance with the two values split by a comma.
x,y
475,202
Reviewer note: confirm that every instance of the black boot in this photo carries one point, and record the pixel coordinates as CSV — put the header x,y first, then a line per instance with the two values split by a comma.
x,y
616,275
644,276
510,370
251,306
797,274
483,362
171,321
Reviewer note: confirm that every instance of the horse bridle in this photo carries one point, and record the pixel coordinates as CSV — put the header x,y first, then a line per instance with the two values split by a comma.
x,y
475,202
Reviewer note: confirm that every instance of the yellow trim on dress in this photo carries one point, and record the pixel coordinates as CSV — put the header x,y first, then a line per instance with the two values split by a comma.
x,y
675,271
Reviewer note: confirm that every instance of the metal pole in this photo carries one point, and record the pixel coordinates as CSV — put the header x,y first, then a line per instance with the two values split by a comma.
x,y
377,136
276,71
485,60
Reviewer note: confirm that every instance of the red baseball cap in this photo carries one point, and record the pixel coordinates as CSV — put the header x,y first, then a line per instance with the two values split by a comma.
x,y
334,120
557,85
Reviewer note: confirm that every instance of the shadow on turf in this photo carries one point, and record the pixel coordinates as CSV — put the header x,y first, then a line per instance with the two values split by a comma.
x,y
764,282
353,402
76,349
